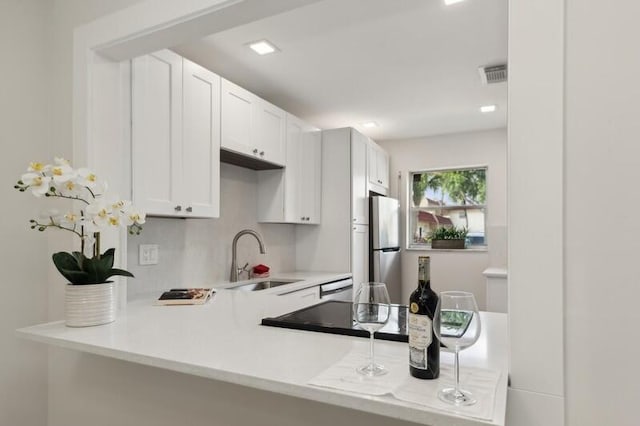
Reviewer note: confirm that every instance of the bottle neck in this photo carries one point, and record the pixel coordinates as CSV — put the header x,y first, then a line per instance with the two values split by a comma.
x,y
424,272
424,284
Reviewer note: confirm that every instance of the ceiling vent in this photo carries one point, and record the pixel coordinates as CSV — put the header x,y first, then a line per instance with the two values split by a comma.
x,y
493,74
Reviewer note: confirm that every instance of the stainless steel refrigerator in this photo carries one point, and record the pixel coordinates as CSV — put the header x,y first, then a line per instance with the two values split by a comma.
x,y
385,245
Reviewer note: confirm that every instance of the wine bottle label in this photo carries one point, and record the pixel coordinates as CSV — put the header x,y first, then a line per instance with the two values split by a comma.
x,y
420,337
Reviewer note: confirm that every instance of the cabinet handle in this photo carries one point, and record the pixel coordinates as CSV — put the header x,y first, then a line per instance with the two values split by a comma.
x,y
302,218
255,151
261,153
306,218
189,209
354,219
178,208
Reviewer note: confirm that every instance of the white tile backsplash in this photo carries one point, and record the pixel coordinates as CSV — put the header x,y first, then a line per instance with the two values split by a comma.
x,y
194,252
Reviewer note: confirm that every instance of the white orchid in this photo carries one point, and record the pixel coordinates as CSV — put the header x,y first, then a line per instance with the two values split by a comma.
x,y
131,216
86,177
99,213
59,161
70,188
71,220
37,183
36,167
62,173
100,210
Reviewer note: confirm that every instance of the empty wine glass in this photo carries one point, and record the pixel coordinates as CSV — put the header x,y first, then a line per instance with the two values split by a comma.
x,y
371,311
456,322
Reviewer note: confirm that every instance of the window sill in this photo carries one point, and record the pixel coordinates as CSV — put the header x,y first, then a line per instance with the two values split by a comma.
x,y
466,250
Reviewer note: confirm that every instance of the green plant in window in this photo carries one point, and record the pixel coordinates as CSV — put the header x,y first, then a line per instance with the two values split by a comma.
x,y
448,233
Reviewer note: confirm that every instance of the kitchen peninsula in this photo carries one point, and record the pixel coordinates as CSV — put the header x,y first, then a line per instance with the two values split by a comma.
x,y
223,341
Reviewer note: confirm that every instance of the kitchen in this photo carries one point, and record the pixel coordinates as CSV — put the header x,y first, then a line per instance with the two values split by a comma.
x,y
107,365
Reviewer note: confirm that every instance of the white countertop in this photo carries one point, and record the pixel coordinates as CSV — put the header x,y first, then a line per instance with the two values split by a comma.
x,y
223,340
495,273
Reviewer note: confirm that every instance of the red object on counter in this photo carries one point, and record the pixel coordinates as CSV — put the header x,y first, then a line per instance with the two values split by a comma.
x,y
260,269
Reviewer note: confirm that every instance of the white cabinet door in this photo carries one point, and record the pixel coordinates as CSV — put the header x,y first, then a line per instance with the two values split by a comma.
x,y
175,136
372,163
383,168
252,126
377,168
359,254
310,177
293,171
238,107
359,192
269,132
293,194
157,132
201,141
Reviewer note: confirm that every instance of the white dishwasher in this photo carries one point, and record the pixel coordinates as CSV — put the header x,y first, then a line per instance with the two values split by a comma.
x,y
337,290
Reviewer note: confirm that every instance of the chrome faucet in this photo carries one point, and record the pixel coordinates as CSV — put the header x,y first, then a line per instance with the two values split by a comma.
x,y
235,271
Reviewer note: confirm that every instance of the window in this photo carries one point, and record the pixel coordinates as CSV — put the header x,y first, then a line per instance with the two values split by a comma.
x,y
448,198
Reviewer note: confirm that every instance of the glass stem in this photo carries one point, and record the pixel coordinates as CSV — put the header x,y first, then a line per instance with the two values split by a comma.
x,y
371,349
456,373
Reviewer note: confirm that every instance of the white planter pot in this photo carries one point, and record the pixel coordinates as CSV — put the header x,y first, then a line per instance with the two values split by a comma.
x,y
87,305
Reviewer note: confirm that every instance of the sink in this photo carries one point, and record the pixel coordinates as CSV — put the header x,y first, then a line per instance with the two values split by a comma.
x,y
262,285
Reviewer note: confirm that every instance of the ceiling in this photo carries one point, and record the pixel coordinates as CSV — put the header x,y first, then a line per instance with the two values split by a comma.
x,y
410,65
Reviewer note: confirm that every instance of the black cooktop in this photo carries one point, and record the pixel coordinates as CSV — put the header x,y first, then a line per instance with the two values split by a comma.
x,y
336,316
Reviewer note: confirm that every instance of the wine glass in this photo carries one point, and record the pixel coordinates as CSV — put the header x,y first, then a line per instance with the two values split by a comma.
x,y
371,308
456,322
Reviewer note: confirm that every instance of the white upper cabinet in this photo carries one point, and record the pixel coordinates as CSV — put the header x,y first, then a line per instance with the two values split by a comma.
x,y
293,194
269,132
252,126
377,168
359,191
201,141
309,184
175,136
237,118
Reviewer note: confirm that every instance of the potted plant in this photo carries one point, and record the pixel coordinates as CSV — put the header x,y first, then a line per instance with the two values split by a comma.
x,y
89,295
448,237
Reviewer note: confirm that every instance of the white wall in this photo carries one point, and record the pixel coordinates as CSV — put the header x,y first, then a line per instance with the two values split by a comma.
x,y
65,16
602,288
35,118
198,251
24,123
455,270
535,158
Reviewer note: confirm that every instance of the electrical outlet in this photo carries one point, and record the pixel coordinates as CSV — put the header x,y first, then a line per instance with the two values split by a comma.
x,y
148,254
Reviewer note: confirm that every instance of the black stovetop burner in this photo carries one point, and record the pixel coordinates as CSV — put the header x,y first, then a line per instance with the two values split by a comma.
x,y
335,317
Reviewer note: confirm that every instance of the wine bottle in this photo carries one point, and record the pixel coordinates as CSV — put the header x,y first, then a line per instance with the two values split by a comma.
x,y
424,346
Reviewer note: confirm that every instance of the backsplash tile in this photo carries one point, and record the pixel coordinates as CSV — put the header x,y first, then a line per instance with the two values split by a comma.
x,y
197,252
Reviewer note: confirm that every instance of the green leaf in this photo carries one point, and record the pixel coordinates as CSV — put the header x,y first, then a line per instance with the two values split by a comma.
x,y
108,257
79,269
79,258
64,260
68,266
76,277
121,272
92,268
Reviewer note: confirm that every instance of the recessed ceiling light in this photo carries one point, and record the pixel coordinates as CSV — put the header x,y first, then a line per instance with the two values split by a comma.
x,y
487,108
450,2
370,124
262,47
